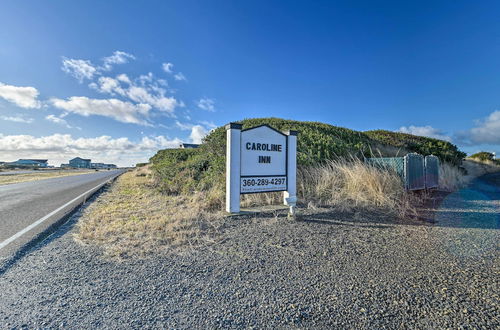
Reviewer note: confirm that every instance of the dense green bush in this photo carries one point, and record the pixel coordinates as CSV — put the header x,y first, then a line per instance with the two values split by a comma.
x,y
423,145
483,155
184,170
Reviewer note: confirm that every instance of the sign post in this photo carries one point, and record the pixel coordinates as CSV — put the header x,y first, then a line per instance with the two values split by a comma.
x,y
290,195
260,159
233,133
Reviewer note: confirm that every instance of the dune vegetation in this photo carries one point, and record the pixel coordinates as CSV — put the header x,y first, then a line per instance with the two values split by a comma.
x,y
178,198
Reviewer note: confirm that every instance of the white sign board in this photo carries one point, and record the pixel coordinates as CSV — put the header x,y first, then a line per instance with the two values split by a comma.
x,y
263,160
260,159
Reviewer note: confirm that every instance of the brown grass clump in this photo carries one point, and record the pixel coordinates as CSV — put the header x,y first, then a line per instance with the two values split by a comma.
x,y
354,184
347,185
132,218
451,177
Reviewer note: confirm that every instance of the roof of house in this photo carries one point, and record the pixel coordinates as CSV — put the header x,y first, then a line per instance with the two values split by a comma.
x,y
36,160
189,145
79,158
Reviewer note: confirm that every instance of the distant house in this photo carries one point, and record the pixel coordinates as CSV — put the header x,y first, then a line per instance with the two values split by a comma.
x,y
102,166
29,163
79,163
189,146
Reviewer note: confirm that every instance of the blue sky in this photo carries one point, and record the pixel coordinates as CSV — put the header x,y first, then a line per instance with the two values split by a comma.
x,y
115,81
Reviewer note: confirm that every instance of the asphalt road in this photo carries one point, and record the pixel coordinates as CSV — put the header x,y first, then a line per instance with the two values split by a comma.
x,y
332,270
22,204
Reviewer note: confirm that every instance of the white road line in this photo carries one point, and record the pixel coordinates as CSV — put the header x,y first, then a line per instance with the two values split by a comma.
x,y
41,220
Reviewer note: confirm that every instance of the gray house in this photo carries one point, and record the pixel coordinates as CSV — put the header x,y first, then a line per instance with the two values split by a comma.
x,y
29,163
79,163
188,146
102,166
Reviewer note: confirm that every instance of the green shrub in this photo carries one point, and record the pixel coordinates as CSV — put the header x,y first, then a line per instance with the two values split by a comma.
x,y
178,171
446,151
483,156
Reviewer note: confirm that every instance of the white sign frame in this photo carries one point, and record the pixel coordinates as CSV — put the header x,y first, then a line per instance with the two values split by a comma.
x,y
235,179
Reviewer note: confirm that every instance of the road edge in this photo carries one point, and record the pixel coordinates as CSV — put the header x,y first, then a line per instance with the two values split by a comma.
x,y
8,262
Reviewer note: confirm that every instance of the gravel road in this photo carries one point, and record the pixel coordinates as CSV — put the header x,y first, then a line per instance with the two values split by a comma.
x,y
327,270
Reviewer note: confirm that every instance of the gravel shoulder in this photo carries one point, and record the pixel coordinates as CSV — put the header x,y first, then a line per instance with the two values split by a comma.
x,y
329,269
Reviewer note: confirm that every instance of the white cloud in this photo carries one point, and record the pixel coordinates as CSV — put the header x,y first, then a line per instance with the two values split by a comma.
x,y
24,97
183,126
108,85
80,69
160,102
124,112
145,89
118,57
198,132
130,96
208,124
123,78
167,67
206,104
427,131
487,131
17,119
180,77
59,148
84,69
58,120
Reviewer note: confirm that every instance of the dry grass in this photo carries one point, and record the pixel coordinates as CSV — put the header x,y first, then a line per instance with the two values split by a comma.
x,y
132,218
349,185
37,175
451,178
477,167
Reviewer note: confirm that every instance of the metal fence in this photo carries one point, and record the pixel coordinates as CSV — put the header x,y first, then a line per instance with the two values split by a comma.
x,y
415,171
431,171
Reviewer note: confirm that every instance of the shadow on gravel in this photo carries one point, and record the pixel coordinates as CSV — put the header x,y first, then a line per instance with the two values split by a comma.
x,y
476,206
359,219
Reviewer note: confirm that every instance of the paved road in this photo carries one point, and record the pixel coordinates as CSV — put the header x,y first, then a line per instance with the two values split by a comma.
x,y
331,270
23,203
32,171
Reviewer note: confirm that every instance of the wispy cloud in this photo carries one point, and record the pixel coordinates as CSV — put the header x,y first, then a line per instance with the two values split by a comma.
x,y
17,119
167,67
58,120
206,104
124,112
84,69
486,131
80,69
118,57
145,89
427,131
24,97
180,77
